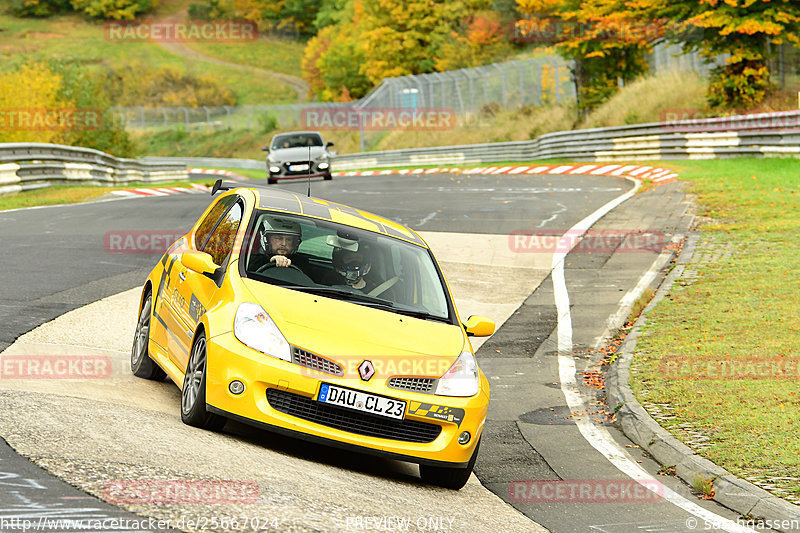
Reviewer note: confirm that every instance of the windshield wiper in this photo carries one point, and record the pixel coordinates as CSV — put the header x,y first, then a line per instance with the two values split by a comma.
x,y
342,294
421,314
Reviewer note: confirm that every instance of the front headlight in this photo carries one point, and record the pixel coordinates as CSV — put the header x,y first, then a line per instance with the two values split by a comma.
x,y
462,378
254,328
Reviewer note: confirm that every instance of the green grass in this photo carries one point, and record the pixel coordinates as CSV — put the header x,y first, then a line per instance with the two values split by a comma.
x,y
246,172
237,144
279,55
71,38
741,310
72,194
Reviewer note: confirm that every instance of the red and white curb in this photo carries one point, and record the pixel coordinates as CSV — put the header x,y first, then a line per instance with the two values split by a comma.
x,y
216,172
162,191
655,174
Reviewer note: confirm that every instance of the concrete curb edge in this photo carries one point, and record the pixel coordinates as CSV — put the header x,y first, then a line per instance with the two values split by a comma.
x,y
637,424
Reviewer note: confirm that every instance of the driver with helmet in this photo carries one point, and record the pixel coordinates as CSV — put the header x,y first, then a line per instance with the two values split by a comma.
x,y
279,239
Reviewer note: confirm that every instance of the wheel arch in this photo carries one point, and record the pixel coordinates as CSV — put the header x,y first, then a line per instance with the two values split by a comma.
x,y
147,289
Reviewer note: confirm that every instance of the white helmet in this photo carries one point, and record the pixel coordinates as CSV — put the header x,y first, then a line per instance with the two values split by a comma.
x,y
279,226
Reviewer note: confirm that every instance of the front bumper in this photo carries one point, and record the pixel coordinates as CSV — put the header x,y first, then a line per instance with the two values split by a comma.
x,y
284,170
228,359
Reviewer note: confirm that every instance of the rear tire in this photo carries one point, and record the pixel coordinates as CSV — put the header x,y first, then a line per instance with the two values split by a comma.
x,y
142,365
193,395
449,478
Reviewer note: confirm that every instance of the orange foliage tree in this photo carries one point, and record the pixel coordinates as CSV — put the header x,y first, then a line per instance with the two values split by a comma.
x,y
603,37
744,29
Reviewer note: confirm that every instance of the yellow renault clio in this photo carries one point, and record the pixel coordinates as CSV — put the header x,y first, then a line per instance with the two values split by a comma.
x,y
311,318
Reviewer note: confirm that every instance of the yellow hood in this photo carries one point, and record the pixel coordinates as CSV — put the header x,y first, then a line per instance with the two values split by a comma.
x,y
348,332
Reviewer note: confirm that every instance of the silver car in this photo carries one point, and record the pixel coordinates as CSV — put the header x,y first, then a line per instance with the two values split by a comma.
x,y
298,154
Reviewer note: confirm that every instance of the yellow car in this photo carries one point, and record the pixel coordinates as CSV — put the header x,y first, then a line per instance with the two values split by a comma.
x,y
311,318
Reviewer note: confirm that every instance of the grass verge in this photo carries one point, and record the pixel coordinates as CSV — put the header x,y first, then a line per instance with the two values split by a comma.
x,y
73,194
721,354
74,39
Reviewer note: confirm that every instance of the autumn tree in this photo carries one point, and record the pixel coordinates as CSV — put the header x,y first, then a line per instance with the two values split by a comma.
x,y
332,63
747,30
38,99
603,37
483,40
364,41
294,16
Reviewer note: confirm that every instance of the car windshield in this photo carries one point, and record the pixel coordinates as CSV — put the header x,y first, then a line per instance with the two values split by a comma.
x,y
345,263
296,140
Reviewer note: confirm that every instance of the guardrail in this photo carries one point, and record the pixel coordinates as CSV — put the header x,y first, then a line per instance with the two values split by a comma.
x,y
25,166
765,134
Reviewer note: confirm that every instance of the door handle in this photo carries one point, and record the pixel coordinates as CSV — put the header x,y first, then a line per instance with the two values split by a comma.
x,y
182,275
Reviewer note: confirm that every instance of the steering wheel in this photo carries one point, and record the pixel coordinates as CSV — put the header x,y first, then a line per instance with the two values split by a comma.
x,y
385,286
261,269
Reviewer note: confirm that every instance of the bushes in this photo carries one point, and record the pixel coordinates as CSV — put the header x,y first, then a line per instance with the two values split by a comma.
x,y
59,103
38,8
103,9
114,9
138,84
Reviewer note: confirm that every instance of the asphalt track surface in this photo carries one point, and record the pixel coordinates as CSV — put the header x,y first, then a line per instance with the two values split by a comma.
x,y
54,261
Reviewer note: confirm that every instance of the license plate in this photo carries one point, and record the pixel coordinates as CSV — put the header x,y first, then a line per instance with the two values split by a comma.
x,y
361,401
298,168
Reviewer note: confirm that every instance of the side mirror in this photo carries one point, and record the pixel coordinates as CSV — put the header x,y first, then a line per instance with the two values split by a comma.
x,y
265,148
328,144
478,326
199,262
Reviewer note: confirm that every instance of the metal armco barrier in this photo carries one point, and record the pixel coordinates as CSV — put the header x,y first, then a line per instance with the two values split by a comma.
x,y
760,135
25,166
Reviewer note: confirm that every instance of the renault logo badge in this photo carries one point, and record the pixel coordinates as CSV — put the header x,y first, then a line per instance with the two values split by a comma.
x,y
366,370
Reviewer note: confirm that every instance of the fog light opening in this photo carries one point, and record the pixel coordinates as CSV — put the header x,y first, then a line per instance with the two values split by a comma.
x,y
274,170
464,437
323,166
236,387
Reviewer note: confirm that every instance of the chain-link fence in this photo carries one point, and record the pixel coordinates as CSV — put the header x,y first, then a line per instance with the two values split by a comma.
x,y
510,85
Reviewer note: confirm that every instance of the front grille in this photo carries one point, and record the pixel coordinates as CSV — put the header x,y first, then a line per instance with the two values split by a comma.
x,y
351,421
316,362
290,164
423,385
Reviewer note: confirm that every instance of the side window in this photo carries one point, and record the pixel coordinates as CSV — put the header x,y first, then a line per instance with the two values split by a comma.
x,y
205,227
220,243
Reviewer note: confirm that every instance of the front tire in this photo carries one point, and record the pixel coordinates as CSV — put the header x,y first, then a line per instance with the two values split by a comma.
x,y
271,180
193,394
328,177
142,365
449,478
